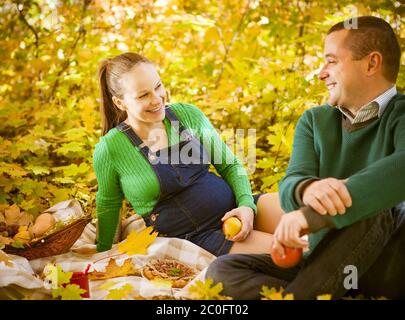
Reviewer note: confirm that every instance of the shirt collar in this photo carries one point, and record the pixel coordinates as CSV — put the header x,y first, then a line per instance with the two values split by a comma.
x,y
366,112
384,98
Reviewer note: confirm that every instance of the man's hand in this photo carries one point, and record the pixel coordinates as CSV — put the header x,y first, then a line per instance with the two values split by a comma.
x,y
289,230
246,216
327,196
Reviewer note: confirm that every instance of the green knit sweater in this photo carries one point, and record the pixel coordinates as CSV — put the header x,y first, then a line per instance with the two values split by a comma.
x,y
372,156
122,171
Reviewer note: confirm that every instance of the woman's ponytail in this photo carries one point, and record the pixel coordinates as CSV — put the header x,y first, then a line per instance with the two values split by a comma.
x,y
111,116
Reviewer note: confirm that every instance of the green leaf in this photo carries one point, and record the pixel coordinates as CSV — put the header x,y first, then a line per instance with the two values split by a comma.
x,y
31,205
64,180
38,170
175,272
61,195
56,275
74,170
18,244
70,147
70,292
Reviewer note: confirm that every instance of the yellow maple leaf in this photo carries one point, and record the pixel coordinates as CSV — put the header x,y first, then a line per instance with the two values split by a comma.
x,y
207,291
138,242
273,294
324,297
121,293
113,270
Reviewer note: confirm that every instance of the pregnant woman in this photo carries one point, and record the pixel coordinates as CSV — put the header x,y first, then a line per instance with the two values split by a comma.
x,y
157,156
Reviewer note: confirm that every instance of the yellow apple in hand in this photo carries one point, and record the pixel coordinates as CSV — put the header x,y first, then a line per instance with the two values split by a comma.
x,y
231,227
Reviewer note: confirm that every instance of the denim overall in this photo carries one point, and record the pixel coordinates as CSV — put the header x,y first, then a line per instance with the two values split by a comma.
x,y
192,200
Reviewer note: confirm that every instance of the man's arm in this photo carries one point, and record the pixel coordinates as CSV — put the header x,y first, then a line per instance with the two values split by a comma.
x,y
373,189
302,167
327,195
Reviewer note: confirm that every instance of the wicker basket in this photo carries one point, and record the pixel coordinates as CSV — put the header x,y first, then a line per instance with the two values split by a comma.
x,y
52,244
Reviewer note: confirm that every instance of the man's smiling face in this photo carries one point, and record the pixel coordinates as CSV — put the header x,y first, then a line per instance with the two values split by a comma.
x,y
344,77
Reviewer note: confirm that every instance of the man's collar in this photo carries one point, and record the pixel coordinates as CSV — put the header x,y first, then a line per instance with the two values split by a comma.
x,y
384,98
374,108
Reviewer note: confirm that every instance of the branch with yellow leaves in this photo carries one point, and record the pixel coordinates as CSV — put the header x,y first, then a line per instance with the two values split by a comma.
x,y
228,48
20,9
65,65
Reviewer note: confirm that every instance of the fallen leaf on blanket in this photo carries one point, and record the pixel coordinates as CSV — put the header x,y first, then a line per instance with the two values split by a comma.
x,y
121,293
206,291
138,242
324,297
113,270
70,292
4,257
56,275
273,294
162,283
107,285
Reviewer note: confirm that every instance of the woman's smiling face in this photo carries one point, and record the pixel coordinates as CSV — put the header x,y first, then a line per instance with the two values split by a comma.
x,y
144,94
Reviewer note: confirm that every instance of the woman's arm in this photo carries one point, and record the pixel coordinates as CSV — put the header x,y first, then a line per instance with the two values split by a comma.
x,y
109,197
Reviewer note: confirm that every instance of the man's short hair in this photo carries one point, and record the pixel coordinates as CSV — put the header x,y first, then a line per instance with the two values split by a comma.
x,y
373,34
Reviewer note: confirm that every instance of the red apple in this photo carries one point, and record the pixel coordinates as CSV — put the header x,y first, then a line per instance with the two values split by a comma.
x,y
292,257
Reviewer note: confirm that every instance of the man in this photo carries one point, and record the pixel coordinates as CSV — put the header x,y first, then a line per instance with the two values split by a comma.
x,y
345,182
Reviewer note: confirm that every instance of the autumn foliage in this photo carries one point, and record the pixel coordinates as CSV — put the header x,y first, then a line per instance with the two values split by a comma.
x,y
246,64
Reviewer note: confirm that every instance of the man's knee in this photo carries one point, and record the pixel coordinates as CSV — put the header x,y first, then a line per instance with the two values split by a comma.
x,y
220,268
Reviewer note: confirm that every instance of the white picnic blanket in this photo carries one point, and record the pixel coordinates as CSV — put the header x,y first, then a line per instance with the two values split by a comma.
x,y
25,274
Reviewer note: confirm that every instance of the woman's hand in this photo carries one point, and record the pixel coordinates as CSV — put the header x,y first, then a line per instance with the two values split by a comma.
x,y
246,216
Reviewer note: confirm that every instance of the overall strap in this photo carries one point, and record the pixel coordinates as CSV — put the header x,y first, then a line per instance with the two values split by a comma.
x,y
183,131
134,138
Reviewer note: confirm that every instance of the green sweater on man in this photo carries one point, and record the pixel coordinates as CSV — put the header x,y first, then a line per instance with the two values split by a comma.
x,y
123,172
371,155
